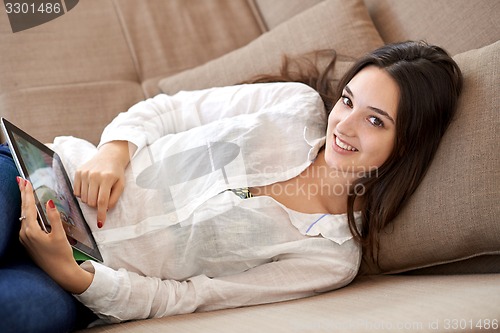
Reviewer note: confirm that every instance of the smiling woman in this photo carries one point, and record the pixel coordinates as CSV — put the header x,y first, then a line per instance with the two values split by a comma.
x,y
327,170
417,86
357,143
429,83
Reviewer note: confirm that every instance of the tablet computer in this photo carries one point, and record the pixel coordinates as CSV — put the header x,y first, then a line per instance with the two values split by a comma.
x,y
45,170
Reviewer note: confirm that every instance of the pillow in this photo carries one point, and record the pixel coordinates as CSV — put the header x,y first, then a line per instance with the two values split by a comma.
x,y
458,28
341,25
454,214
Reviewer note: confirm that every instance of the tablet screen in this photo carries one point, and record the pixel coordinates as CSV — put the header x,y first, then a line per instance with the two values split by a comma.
x,y
45,171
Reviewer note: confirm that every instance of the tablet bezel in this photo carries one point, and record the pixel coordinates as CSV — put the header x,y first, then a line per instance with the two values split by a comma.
x,y
10,129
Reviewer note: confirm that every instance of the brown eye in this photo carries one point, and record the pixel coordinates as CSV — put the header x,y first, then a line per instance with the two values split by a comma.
x,y
375,121
347,101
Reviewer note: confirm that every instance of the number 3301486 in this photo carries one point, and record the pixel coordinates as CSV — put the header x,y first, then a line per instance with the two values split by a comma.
x,y
482,324
32,8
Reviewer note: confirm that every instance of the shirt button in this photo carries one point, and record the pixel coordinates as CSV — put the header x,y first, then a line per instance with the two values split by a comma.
x,y
172,218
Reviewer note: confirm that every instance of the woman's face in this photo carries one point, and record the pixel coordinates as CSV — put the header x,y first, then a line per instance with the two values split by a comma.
x,y
361,127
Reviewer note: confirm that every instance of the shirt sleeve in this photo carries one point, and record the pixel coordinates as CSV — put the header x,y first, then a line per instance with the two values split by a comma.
x,y
163,114
120,295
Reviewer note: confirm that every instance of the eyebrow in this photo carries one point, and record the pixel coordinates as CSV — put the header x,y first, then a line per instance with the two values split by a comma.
x,y
377,110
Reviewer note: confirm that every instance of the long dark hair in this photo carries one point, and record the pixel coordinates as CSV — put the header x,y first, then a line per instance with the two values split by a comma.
x,y
314,69
430,83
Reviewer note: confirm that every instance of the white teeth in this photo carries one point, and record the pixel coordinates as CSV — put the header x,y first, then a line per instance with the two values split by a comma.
x,y
343,145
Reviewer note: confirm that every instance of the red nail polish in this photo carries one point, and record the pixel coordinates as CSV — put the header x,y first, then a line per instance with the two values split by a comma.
x,y
18,179
99,224
25,182
51,204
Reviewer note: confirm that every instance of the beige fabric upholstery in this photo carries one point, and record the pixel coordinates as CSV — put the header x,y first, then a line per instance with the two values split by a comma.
x,y
454,213
370,304
106,45
351,34
483,264
275,12
198,31
81,110
457,25
56,53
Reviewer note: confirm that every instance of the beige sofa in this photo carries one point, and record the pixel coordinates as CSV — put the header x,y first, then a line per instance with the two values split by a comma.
x,y
439,260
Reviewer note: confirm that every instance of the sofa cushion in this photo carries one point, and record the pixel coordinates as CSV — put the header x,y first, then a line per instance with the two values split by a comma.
x,y
457,26
85,45
454,213
369,304
275,12
342,25
80,109
166,37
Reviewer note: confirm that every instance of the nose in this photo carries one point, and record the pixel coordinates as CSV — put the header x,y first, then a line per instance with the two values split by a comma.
x,y
347,124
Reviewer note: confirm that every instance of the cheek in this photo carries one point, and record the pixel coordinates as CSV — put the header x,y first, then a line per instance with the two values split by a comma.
x,y
381,149
333,119
329,126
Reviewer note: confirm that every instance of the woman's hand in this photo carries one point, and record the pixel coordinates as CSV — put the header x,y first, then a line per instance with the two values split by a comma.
x,y
50,251
100,181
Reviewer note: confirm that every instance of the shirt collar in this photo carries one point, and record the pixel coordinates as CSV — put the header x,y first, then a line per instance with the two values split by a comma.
x,y
315,140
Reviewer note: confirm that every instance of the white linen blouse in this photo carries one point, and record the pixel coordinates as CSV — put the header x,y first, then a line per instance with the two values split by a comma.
x,y
177,241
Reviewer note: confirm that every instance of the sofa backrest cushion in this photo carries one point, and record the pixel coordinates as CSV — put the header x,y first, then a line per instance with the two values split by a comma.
x,y
457,26
275,12
333,24
454,214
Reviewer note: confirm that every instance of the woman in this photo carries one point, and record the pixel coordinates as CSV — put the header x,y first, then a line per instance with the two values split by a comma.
x,y
276,195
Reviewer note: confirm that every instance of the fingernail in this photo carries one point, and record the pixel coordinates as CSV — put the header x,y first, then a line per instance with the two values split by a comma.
x,y
25,182
99,224
18,179
51,204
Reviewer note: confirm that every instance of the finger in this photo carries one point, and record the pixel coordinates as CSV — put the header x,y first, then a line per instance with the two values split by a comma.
x,y
77,184
84,187
29,213
93,192
103,201
99,187
102,207
55,219
28,205
21,191
116,192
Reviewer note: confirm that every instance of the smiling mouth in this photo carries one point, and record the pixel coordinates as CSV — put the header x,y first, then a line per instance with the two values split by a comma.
x,y
344,145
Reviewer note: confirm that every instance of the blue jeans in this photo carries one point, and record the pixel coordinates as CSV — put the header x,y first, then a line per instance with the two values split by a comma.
x,y
30,301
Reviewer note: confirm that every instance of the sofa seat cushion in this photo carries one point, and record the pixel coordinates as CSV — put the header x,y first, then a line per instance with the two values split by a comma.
x,y
379,303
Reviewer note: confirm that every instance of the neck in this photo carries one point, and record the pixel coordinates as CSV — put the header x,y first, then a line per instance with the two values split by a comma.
x,y
330,185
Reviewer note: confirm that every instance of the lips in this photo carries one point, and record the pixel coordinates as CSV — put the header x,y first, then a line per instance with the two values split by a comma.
x,y
343,145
